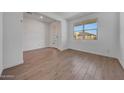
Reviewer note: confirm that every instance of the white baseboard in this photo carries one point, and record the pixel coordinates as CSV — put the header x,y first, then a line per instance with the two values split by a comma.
x,y
1,70
62,49
121,62
12,65
93,52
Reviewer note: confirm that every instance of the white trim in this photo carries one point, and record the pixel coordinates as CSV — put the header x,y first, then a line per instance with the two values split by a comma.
x,y
12,65
121,62
1,70
93,52
1,43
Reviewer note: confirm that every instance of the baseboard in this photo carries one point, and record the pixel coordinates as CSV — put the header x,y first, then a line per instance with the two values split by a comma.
x,y
62,49
33,49
121,62
12,65
1,70
93,52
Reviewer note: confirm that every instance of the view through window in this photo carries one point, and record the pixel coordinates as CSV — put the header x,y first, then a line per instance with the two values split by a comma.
x,y
87,30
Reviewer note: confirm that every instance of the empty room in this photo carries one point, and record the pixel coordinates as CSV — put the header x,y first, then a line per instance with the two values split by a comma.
x,y
61,46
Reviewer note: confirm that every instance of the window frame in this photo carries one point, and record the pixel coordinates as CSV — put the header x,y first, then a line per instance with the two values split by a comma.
x,y
78,24
74,31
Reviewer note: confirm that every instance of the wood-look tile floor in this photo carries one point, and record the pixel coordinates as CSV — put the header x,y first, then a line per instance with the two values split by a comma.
x,y
52,64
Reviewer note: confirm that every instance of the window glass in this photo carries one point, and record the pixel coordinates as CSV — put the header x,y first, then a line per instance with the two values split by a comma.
x,y
78,28
90,34
86,31
90,26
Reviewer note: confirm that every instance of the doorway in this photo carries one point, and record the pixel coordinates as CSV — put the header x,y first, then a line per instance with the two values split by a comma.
x,y
55,28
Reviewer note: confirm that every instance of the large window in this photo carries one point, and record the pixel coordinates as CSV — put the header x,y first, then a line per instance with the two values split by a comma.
x,y
86,30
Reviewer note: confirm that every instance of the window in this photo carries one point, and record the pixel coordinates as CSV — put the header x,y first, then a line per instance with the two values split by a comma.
x,y
87,30
78,32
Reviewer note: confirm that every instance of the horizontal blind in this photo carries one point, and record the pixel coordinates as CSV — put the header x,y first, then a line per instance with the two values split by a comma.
x,y
88,21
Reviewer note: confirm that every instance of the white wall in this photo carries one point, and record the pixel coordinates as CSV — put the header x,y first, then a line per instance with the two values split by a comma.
x,y
64,34
122,38
35,34
107,35
1,43
12,39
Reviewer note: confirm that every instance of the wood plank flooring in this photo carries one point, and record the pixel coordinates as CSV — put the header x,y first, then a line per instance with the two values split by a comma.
x,y
52,64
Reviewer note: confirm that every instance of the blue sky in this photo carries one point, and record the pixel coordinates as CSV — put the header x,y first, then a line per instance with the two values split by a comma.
x,y
90,26
86,27
78,28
